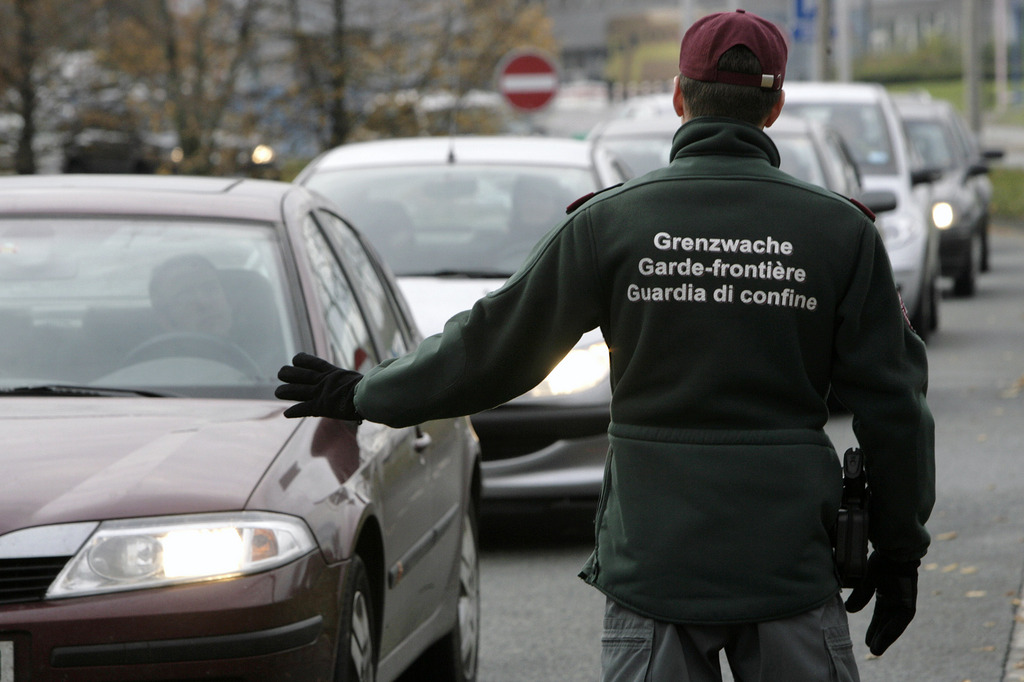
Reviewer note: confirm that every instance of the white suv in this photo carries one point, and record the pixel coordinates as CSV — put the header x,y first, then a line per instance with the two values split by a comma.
x,y
866,117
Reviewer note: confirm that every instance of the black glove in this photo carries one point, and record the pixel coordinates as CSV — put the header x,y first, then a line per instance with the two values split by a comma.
x,y
325,390
894,585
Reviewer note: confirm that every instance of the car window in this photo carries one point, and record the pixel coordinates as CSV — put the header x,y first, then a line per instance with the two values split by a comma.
x,y
347,331
967,140
447,219
798,157
641,154
191,308
381,309
843,163
863,127
932,141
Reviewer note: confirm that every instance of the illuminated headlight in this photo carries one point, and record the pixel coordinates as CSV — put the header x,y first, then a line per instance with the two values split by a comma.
x,y
262,154
143,553
581,369
943,215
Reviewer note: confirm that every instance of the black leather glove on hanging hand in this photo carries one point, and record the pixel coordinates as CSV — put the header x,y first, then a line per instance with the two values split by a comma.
x,y
894,586
323,389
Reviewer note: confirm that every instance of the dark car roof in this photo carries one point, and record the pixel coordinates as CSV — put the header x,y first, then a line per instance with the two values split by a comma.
x,y
236,198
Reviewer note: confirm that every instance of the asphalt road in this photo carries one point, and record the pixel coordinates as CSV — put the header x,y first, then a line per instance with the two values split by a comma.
x,y
541,623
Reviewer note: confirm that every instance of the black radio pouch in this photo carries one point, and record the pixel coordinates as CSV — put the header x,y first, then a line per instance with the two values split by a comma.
x,y
852,523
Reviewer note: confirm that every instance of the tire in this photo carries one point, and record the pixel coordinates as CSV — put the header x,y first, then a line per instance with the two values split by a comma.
x,y
985,265
454,657
357,646
966,281
924,320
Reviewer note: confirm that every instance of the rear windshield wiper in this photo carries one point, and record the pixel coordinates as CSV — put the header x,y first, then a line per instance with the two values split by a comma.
x,y
71,391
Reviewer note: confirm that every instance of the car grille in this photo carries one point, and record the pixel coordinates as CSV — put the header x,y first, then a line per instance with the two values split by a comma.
x,y
27,579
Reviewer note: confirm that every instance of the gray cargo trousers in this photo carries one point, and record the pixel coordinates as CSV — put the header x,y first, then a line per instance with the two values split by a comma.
x,y
811,647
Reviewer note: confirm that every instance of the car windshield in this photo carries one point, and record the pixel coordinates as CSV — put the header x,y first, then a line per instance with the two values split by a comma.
x,y
467,220
164,307
799,158
641,154
931,142
644,154
862,127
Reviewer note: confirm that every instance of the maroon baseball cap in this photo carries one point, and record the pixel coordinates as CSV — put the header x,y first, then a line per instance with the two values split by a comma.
x,y
710,36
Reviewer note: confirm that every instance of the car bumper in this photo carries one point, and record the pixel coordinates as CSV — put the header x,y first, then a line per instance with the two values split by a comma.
x,y
278,625
911,264
543,454
908,282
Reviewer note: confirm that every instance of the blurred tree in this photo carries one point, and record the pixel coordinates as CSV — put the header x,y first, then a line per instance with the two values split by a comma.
x,y
33,33
186,59
367,67
325,55
214,77
487,31
20,27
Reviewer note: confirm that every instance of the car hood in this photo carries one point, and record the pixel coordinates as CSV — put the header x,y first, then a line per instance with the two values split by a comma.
x,y
433,300
80,459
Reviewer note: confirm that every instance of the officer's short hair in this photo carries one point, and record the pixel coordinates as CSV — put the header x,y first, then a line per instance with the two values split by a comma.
x,y
746,103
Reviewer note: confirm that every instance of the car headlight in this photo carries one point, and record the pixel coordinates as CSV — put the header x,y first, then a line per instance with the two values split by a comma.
x,y
262,154
134,554
581,369
943,215
896,229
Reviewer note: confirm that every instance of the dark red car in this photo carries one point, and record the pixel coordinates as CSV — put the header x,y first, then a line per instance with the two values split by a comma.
x,y
159,518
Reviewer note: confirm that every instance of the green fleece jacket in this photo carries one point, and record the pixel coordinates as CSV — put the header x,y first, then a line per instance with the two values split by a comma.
x,y
732,298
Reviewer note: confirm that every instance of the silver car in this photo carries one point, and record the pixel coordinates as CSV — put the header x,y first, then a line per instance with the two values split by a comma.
x,y
454,217
809,151
865,115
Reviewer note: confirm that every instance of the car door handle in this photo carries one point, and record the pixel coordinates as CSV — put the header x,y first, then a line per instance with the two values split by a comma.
x,y
422,440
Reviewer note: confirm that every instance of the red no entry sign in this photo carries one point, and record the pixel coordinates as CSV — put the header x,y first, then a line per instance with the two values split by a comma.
x,y
528,79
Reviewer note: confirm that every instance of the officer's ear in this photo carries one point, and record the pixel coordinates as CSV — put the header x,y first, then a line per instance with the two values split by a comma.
x,y
776,110
677,99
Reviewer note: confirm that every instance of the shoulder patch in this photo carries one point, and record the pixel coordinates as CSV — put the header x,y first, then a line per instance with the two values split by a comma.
x,y
906,315
587,197
579,202
863,209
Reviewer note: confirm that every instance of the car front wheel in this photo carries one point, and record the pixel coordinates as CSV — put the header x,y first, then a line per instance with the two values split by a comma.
x,y
454,657
925,317
465,636
357,653
985,267
966,280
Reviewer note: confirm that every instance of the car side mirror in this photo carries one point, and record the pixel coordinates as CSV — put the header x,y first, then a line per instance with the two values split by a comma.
x,y
879,201
976,169
923,175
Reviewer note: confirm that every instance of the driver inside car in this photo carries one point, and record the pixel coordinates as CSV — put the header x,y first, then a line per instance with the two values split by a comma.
x,y
187,296
223,314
